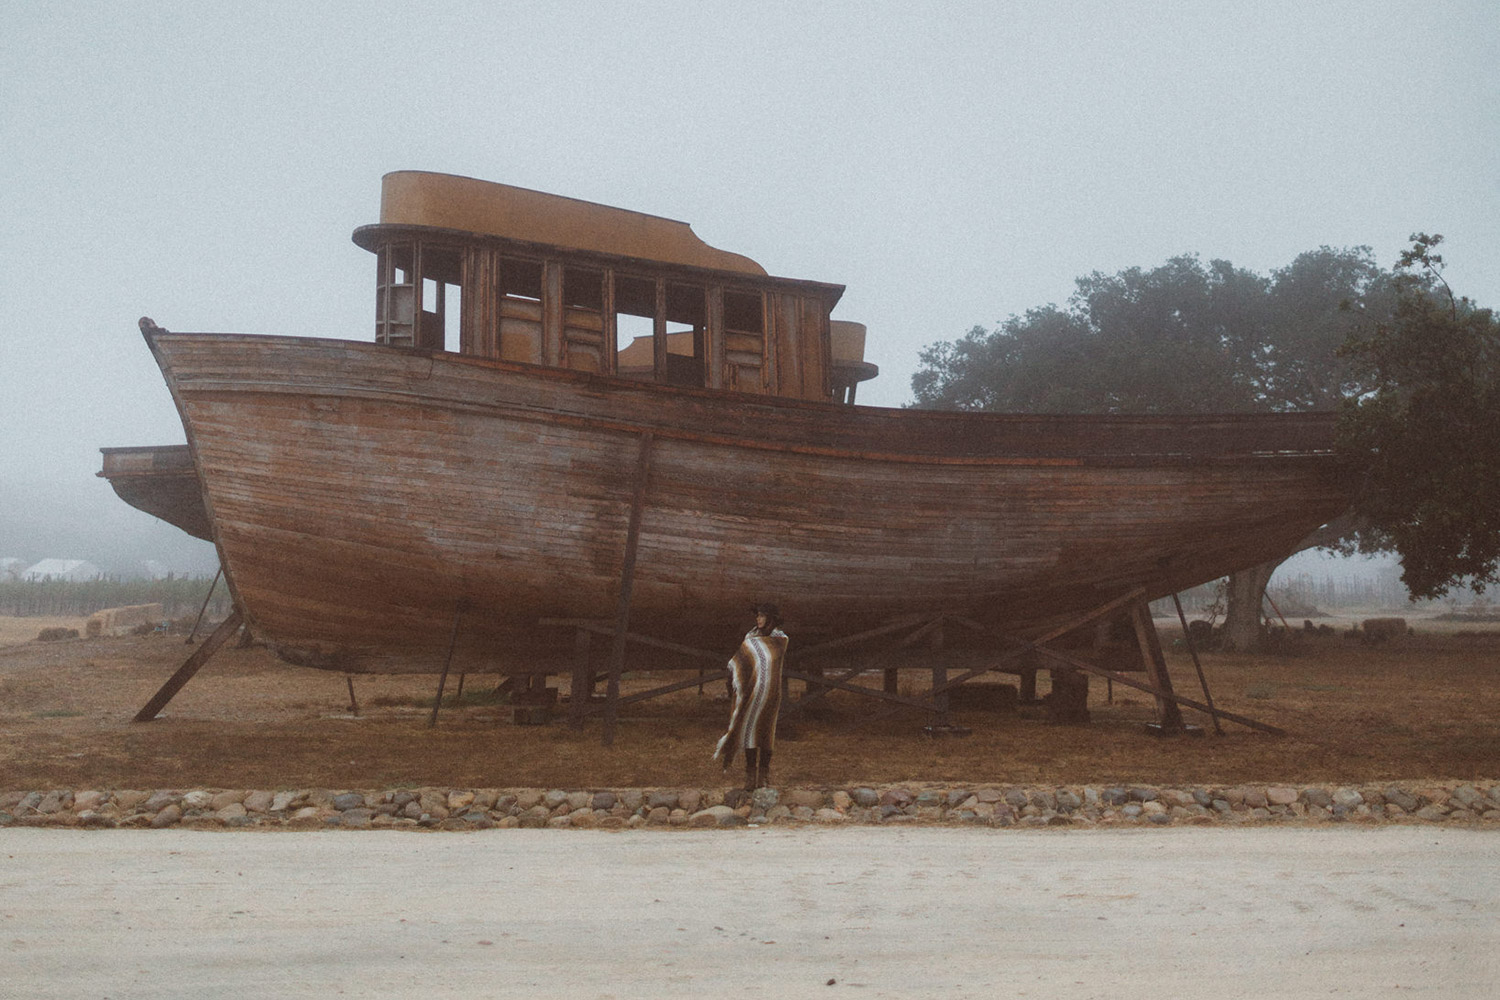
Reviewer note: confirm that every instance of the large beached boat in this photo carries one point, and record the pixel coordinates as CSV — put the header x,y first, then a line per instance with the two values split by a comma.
x,y
572,413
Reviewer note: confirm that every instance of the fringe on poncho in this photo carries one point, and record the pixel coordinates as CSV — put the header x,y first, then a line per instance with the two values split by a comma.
x,y
755,678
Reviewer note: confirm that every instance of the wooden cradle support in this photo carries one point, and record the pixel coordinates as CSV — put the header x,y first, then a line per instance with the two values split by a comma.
x,y
1020,656
228,627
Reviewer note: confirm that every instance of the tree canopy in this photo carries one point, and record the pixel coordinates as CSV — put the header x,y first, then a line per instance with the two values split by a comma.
x,y
1427,428
1182,337
1415,368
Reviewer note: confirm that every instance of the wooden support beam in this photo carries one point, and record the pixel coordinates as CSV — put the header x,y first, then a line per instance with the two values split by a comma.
x,y
632,537
659,332
940,682
1168,713
894,625
936,625
657,692
608,629
193,633
437,701
1187,637
581,688
1128,681
1027,674
988,668
714,359
191,666
824,689
1035,646
353,703
940,688
554,343
857,689
609,331
939,692
1026,689
889,685
1092,615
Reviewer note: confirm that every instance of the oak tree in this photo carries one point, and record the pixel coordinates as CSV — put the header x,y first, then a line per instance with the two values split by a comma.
x,y
1183,337
1426,427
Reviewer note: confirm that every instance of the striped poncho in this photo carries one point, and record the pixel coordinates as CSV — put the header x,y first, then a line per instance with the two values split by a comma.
x,y
755,677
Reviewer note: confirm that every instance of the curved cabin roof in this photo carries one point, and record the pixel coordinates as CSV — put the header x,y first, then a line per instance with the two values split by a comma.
x,y
445,201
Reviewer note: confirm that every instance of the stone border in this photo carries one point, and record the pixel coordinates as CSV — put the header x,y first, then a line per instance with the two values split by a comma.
x,y
979,805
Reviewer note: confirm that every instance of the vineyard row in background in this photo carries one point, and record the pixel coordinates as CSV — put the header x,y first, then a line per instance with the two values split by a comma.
x,y
177,596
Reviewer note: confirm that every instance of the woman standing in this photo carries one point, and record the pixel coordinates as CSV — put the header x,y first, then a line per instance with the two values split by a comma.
x,y
755,676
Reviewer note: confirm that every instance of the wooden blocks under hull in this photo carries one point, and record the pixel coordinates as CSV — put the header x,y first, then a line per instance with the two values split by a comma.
x,y
532,701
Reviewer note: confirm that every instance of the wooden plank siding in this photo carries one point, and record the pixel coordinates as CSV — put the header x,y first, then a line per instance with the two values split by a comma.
x,y
358,491
784,352
162,481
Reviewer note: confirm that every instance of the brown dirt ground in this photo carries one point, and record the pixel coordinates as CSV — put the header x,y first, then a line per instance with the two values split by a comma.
x,y
1426,707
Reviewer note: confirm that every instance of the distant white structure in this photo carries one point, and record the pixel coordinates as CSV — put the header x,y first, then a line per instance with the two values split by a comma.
x,y
63,569
11,567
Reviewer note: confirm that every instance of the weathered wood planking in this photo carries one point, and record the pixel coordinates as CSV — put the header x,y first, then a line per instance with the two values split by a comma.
x,y
358,491
162,481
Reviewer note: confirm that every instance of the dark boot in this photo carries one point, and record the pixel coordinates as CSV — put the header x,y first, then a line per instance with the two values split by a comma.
x,y
763,775
752,757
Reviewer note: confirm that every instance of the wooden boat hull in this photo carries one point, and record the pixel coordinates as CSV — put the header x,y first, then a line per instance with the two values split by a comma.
x,y
161,481
364,498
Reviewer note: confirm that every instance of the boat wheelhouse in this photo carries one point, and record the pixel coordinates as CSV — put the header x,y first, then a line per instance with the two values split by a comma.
x,y
494,271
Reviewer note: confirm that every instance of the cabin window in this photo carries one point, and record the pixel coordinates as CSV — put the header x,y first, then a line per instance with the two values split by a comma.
x,y
439,269
583,318
687,322
395,295
520,295
683,322
434,313
635,325
744,341
453,297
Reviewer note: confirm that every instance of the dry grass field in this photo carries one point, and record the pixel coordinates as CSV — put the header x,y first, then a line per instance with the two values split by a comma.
x,y
1424,707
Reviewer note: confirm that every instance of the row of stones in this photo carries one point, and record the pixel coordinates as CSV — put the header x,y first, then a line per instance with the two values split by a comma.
x,y
468,809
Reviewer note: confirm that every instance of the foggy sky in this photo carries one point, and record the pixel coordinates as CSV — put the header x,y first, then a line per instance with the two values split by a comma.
x,y
951,164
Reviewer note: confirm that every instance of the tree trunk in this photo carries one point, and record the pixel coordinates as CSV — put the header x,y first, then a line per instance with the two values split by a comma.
x,y
1247,589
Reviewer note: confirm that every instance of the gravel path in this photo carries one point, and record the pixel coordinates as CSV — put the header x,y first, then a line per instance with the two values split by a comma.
x,y
763,912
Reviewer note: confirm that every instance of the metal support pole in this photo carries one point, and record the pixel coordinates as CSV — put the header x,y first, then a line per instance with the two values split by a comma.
x,y
353,704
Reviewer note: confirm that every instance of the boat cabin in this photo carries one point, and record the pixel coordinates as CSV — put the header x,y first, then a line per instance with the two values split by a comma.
x,y
496,271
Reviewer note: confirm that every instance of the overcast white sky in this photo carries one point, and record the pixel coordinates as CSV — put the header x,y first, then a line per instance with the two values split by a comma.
x,y
951,164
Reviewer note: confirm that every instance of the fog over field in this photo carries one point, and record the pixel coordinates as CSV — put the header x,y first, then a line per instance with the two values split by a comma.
x,y
950,164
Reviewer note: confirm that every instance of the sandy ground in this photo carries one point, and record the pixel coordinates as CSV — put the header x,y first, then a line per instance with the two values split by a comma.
x,y
763,912
1422,709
